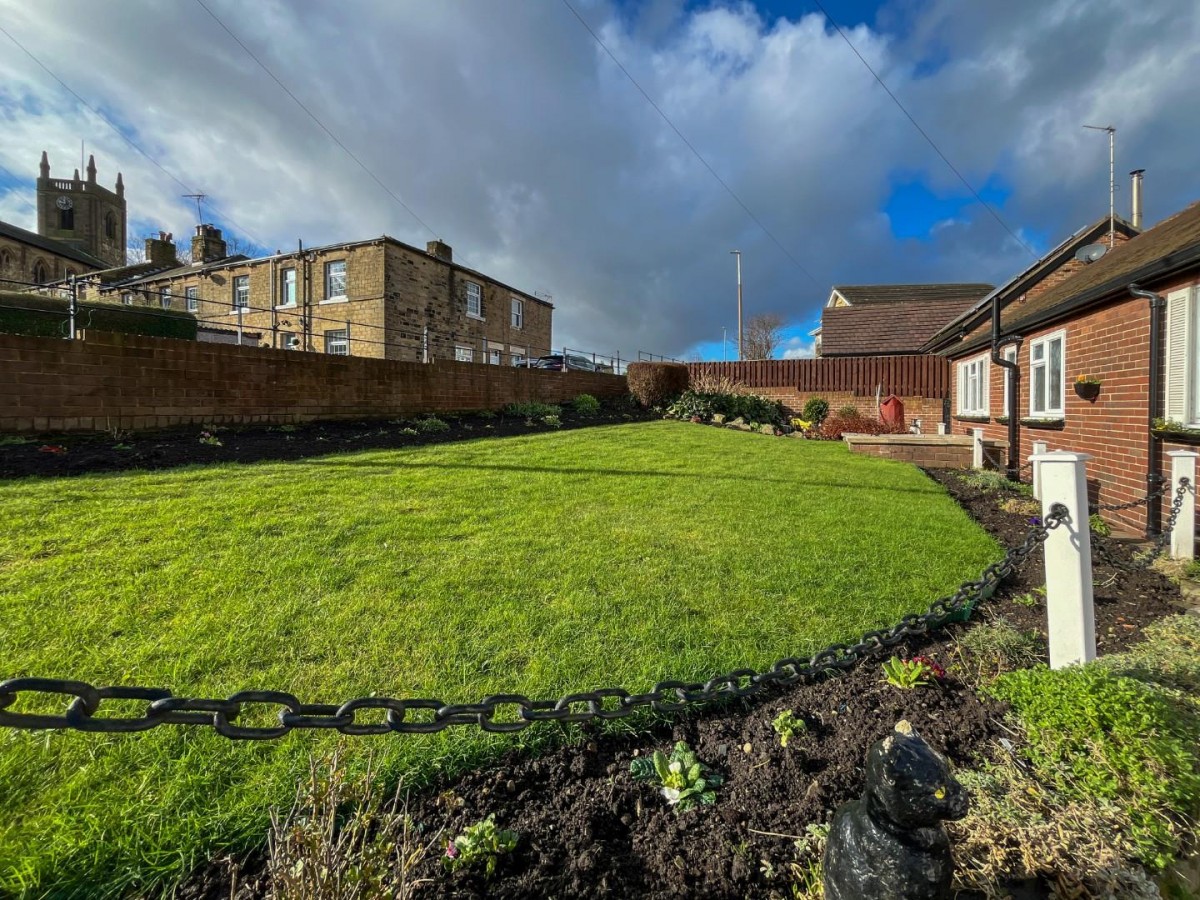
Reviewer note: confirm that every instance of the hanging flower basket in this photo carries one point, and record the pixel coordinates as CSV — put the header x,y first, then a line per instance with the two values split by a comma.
x,y
1087,388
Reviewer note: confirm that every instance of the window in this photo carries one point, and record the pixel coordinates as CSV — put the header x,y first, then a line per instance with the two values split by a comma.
x,y
164,298
1010,354
494,357
110,226
474,300
192,295
518,313
337,342
335,280
66,219
973,387
40,275
1046,364
241,292
127,298
287,287
6,260
287,340
1183,361
463,354
518,355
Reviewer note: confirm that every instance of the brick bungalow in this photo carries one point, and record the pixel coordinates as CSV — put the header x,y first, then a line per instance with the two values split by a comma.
x,y
1126,319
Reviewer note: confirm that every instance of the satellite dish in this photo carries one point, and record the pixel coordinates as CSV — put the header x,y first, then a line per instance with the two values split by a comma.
x,y
1091,252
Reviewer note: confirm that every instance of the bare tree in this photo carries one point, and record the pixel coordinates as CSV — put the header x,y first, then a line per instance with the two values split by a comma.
x,y
762,336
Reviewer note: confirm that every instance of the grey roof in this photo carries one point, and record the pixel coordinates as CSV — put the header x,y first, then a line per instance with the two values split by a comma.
x,y
861,294
50,245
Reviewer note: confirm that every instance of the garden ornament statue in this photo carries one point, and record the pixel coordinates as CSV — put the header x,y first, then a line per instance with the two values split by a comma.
x,y
890,843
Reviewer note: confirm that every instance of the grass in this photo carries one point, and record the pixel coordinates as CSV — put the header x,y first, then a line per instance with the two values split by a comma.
x,y
541,564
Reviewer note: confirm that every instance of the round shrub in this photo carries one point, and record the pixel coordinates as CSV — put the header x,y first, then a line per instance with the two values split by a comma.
x,y
586,405
656,383
816,410
849,411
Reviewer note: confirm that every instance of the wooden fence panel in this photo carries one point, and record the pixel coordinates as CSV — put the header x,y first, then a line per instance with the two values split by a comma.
x,y
909,376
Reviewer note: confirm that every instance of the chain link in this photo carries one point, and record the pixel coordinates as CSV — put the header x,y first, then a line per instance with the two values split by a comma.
x,y
498,712
1100,544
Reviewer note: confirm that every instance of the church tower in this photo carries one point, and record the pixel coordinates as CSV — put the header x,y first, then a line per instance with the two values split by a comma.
x,y
82,214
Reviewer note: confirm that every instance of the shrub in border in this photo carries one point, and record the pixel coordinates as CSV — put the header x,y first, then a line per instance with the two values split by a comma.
x,y
835,426
656,383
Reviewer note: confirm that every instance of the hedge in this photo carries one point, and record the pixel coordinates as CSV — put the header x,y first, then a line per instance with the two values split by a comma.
x,y
656,383
37,315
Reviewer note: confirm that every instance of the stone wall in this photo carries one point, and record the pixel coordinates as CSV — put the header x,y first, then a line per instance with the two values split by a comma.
x,y
121,381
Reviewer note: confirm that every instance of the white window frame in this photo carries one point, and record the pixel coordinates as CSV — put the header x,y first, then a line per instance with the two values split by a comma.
x,y
241,292
284,284
464,354
1181,396
495,355
518,313
1036,364
474,300
517,354
127,298
973,377
164,298
1010,355
191,295
285,340
335,284
337,341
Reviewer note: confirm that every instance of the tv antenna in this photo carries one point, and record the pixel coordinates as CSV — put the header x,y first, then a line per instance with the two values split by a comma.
x,y
199,198
1112,181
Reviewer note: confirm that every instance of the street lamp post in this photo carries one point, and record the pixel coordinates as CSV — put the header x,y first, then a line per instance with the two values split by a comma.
x,y
738,254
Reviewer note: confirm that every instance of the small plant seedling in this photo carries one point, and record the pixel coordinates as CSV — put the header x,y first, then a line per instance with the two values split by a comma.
x,y
684,780
13,440
920,671
432,425
1098,525
787,725
1033,599
122,446
481,842
209,439
552,421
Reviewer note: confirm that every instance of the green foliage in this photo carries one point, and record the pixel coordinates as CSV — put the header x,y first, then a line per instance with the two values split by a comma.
x,y
481,842
999,646
531,409
39,316
1033,599
849,411
656,383
586,405
988,480
750,407
685,781
816,410
911,673
552,421
14,440
1098,525
431,425
787,725
409,431
209,439
1094,733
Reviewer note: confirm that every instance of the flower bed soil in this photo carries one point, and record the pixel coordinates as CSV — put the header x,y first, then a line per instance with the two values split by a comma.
x,y
78,454
587,829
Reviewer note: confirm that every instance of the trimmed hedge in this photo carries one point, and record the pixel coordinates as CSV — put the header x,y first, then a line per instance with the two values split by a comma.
x,y
656,383
36,315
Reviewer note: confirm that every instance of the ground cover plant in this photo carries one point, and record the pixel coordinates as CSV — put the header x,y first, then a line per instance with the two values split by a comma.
x,y
541,564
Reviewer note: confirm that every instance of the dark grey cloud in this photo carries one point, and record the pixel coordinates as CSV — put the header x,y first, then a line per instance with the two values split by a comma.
x,y
518,141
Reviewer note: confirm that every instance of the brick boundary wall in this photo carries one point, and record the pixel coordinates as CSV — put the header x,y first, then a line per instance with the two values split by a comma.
x,y
931,451
132,382
919,381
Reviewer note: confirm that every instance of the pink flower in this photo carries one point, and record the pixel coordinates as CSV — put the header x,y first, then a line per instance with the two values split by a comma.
x,y
451,850
934,668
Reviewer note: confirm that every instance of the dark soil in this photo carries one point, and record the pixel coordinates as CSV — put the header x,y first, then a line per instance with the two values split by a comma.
x,y
587,829
77,454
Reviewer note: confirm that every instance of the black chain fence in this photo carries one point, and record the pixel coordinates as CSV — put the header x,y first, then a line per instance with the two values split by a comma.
x,y
401,715
1107,551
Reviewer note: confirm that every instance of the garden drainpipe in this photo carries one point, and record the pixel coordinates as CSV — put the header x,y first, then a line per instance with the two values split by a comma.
x,y
1154,507
1012,373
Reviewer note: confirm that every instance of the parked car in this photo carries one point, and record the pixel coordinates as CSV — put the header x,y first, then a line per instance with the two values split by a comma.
x,y
561,363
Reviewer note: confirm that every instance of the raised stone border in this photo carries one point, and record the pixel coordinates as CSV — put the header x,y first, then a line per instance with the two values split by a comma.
x,y
933,451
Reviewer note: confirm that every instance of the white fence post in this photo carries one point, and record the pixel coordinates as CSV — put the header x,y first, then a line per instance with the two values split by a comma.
x,y
1183,535
941,427
1039,447
1071,618
976,448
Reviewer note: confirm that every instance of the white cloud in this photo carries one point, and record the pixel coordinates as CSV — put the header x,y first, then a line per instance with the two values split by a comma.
x,y
518,141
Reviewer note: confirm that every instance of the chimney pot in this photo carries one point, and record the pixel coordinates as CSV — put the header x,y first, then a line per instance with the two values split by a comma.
x,y
1135,194
208,245
161,250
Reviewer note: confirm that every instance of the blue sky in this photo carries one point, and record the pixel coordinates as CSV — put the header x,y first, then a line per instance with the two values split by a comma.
x,y
518,141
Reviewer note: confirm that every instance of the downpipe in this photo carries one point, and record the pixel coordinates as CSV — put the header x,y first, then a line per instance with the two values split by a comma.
x,y
1012,372
1153,475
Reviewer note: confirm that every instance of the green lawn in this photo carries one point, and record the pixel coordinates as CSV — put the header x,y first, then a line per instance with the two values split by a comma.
x,y
541,564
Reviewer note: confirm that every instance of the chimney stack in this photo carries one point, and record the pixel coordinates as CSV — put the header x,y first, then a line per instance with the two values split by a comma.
x,y
161,250
208,245
440,249
1136,196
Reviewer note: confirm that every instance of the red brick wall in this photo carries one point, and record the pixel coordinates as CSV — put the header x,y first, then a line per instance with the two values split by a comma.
x,y
793,400
1111,344
123,381
930,451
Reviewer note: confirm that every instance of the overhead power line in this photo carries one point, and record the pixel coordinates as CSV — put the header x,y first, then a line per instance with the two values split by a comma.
x,y
333,137
936,149
704,162
130,141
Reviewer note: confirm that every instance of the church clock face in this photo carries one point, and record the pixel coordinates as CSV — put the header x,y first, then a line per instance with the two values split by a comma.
x,y
63,202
